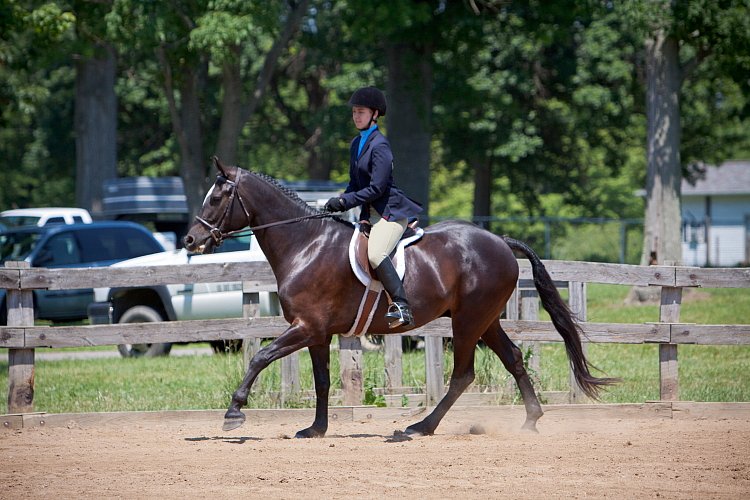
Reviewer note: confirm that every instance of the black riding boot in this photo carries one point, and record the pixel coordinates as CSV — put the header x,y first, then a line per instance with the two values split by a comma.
x,y
399,312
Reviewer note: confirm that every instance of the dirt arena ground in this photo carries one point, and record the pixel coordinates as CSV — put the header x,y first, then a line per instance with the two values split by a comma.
x,y
584,454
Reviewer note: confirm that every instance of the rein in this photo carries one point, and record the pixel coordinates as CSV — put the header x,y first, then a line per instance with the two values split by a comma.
x,y
219,236
249,230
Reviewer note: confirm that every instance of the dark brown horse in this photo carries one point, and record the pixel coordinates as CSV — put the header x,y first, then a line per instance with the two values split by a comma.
x,y
457,270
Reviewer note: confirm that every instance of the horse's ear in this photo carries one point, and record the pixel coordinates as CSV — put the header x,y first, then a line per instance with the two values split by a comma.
x,y
219,165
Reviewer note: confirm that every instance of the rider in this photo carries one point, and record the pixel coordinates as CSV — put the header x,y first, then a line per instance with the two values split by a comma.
x,y
384,205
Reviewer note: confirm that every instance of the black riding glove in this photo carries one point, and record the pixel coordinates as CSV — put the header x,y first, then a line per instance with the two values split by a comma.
x,y
335,204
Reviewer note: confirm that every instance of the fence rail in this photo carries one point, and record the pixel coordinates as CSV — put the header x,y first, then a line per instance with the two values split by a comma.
x,y
21,337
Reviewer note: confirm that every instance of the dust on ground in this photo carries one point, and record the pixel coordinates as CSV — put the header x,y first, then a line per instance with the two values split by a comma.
x,y
475,453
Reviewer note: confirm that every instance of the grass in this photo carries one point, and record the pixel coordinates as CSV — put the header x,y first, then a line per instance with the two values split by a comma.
x,y
707,373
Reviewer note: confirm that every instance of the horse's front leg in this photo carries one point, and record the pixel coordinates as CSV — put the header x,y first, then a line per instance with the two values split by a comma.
x,y
294,338
321,356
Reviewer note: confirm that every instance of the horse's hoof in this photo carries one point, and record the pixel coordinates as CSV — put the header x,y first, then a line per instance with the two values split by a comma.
x,y
415,431
232,423
530,427
309,433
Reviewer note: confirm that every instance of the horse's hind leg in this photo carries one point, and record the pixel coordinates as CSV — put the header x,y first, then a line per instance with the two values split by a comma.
x,y
463,375
320,356
512,358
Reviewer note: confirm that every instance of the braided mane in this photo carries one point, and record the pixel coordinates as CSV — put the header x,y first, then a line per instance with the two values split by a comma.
x,y
291,194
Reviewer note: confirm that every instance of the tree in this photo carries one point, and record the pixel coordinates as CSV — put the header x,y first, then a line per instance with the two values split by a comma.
x,y
187,39
680,37
36,144
664,174
310,89
404,44
222,32
95,121
536,105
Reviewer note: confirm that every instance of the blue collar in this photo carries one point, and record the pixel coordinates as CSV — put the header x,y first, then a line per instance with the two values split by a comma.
x,y
364,134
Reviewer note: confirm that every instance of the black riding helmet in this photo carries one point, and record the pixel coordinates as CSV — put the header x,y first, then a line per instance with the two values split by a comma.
x,y
369,97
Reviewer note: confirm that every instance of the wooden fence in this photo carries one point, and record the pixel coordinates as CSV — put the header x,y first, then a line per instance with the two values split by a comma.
x,y
21,337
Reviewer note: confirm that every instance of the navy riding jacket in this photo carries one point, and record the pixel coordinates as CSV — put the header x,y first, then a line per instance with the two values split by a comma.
x,y
371,181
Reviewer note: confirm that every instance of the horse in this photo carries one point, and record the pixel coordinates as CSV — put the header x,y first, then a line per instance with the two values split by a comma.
x,y
456,270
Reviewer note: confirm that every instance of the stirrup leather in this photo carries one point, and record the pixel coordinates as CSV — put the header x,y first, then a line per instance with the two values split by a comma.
x,y
400,313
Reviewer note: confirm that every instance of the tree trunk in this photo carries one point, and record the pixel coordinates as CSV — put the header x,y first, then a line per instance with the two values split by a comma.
x,y
193,164
236,109
316,167
95,127
408,118
482,189
661,232
231,111
664,175
186,126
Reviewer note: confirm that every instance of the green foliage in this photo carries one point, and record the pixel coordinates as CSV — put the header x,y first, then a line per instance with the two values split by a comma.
x,y
373,399
565,125
35,97
710,98
450,194
226,26
597,242
551,99
714,40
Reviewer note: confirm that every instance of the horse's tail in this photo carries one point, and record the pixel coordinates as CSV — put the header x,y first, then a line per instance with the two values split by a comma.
x,y
564,321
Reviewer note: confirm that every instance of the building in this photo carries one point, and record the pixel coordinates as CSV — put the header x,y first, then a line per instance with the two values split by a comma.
x,y
716,217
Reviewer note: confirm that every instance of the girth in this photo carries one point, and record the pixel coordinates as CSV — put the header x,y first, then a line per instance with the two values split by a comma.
x,y
363,271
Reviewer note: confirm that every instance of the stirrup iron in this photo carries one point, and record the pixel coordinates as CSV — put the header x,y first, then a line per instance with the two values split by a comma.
x,y
400,315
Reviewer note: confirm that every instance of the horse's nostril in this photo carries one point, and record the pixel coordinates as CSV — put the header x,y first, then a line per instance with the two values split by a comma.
x,y
187,240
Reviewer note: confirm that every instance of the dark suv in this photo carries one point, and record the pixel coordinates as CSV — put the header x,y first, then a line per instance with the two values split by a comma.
x,y
72,245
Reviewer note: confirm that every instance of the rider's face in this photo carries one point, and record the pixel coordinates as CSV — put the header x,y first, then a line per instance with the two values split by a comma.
x,y
362,116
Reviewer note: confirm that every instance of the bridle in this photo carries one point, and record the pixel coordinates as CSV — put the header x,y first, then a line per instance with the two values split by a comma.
x,y
215,229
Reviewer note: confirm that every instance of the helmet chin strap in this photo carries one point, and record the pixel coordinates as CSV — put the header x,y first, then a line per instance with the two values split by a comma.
x,y
372,120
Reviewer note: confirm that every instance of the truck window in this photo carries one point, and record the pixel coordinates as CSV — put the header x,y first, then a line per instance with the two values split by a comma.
x,y
235,244
55,220
137,244
60,250
17,246
115,244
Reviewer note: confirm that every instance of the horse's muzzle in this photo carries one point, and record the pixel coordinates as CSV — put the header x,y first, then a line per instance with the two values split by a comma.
x,y
191,246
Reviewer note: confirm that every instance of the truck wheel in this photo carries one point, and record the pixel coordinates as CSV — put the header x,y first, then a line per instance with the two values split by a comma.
x,y
226,346
142,314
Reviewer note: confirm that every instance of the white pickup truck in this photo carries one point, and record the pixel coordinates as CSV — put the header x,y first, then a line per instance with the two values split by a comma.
x,y
201,300
179,302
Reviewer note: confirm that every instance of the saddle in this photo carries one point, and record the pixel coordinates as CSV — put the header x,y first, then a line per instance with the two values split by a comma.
x,y
366,274
358,251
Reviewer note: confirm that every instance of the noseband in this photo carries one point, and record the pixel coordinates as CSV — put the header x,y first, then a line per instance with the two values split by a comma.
x,y
219,236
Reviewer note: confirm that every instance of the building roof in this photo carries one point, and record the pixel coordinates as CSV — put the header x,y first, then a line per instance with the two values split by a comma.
x,y
731,177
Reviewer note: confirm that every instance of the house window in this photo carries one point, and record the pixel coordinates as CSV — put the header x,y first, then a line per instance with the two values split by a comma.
x,y
693,232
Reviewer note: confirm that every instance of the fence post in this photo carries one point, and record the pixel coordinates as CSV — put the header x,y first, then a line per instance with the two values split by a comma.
x,y
511,307
250,309
394,372
512,312
577,304
290,385
530,312
669,312
352,377
20,305
433,352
